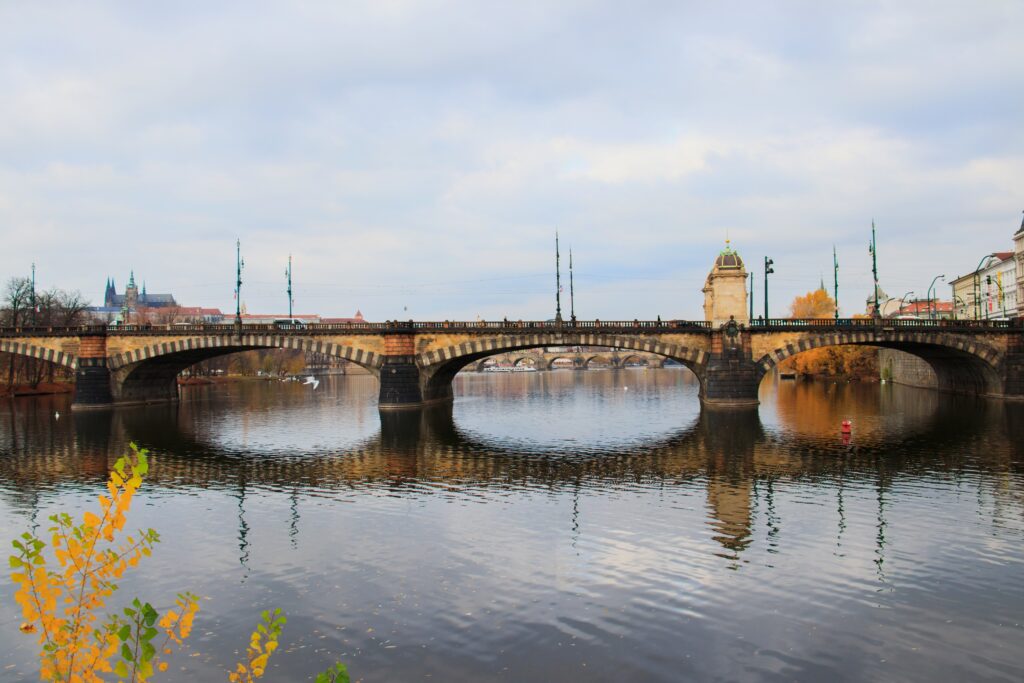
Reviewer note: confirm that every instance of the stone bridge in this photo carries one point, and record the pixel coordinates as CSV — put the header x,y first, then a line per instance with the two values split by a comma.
x,y
416,361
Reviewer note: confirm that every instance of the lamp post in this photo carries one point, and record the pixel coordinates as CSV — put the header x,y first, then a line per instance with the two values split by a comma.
x,y
873,248
558,284
572,294
963,304
931,288
288,274
751,298
239,264
768,263
903,300
835,279
977,287
1002,298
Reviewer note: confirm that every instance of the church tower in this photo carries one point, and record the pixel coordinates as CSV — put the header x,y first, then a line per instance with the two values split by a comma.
x,y
131,293
725,290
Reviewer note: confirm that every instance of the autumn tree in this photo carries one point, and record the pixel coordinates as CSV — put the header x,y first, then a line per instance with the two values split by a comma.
x,y
816,304
853,362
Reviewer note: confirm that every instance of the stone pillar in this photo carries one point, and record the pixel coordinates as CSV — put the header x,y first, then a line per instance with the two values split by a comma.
x,y
1012,370
399,376
731,379
92,378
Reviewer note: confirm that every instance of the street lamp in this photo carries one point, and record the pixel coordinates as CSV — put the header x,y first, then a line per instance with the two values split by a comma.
x,y
977,287
963,304
239,264
902,301
768,263
1002,297
931,288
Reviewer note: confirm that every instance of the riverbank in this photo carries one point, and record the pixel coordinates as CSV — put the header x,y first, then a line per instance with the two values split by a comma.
x,y
41,389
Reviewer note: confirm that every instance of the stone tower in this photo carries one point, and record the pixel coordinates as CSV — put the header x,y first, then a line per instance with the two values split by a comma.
x,y
725,290
131,293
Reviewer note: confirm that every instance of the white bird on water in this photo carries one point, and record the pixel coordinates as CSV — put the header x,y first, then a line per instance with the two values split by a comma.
x,y
312,380
56,415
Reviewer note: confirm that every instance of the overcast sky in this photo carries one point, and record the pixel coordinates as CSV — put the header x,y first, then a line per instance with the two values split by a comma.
x,y
416,158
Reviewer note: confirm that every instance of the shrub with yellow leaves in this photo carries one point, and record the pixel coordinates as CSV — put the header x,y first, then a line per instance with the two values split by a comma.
x,y
63,598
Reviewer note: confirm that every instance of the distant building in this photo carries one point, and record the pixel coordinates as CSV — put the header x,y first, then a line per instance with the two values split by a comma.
x,y
888,306
133,298
198,314
357,318
989,293
926,309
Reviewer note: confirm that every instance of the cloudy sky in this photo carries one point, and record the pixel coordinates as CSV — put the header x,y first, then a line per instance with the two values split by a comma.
x,y
416,158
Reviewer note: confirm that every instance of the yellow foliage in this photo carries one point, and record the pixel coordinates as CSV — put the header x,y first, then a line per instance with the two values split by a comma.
x,y
841,361
262,644
816,304
89,560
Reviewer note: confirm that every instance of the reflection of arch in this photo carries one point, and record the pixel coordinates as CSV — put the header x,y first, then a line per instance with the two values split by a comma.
x,y
150,373
531,361
440,366
39,353
960,364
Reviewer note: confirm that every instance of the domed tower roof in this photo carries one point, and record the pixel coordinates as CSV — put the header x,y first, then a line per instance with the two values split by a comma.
x,y
728,259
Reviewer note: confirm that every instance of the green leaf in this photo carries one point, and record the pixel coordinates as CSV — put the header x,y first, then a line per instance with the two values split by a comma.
x,y
125,632
121,669
126,653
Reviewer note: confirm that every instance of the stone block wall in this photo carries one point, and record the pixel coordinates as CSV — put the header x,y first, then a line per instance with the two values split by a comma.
x,y
906,368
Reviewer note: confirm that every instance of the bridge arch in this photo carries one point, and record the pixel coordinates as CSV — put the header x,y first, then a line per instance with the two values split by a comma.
x,y
61,358
624,361
438,367
961,364
150,372
562,356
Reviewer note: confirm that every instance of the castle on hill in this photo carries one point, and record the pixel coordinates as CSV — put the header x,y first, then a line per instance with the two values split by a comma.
x,y
133,298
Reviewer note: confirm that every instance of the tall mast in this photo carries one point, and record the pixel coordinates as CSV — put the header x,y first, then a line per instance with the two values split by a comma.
x,y
874,266
239,264
572,297
288,274
558,282
835,278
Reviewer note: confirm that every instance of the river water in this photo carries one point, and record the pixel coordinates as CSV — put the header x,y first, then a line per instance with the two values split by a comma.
x,y
559,526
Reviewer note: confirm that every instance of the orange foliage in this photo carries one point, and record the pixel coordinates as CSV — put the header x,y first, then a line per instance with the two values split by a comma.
x,y
835,361
65,601
816,304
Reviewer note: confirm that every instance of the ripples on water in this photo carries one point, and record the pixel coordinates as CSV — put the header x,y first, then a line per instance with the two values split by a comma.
x,y
555,526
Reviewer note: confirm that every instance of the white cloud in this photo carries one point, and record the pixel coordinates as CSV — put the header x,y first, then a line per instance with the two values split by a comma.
x,y
422,155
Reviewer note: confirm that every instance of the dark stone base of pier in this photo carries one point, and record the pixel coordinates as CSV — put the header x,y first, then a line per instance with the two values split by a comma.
x,y
730,383
400,384
92,384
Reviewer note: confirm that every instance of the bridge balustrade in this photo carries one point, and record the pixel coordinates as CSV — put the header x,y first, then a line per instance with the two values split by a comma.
x,y
498,325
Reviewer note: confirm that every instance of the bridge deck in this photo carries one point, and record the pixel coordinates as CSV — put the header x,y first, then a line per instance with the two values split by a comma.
x,y
517,327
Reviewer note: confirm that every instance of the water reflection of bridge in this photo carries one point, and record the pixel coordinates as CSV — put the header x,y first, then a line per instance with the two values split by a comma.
x,y
729,454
